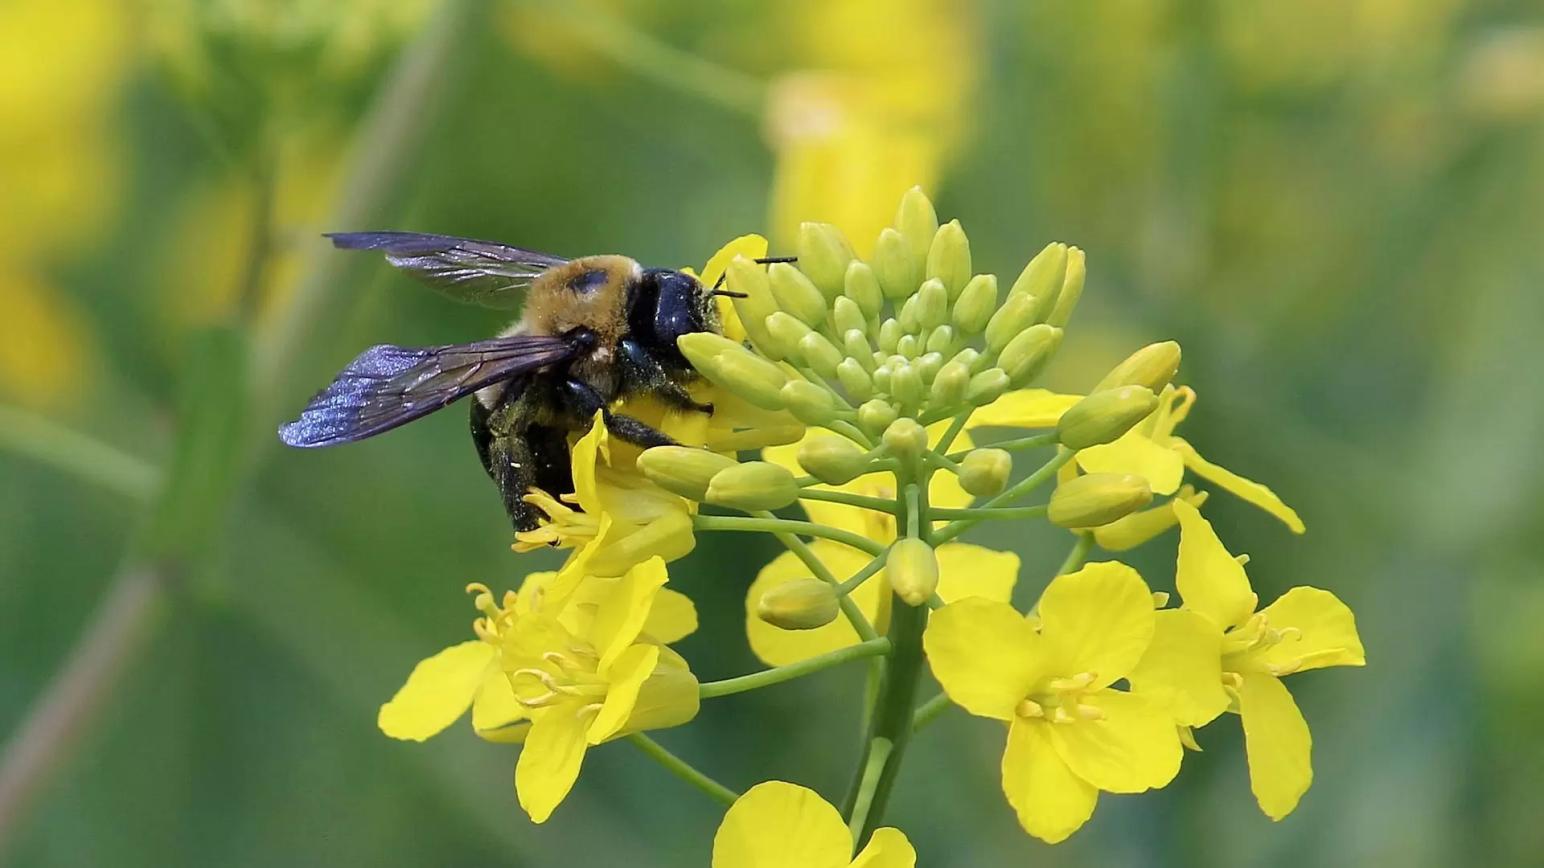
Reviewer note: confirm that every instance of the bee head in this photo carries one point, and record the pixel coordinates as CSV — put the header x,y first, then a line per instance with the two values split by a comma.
x,y
670,304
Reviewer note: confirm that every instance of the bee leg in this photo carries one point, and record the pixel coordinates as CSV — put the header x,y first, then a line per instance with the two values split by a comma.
x,y
586,402
506,456
643,372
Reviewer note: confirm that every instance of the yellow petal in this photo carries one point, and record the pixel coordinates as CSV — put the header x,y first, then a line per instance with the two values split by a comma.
x,y
781,825
1098,619
672,618
1231,482
779,647
888,848
749,246
966,570
985,654
582,460
438,691
668,697
1134,452
668,536
1025,408
495,706
1278,743
627,674
549,763
1182,669
1135,747
1320,632
1209,579
625,610
1050,800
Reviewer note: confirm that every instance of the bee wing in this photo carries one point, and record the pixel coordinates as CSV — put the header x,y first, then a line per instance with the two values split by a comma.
x,y
387,386
465,269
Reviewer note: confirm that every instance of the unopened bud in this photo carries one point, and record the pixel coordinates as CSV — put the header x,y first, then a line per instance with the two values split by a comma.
x,y
1026,355
1043,276
889,334
785,332
908,346
906,438
985,472
940,340
948,260
893,266
976,304
949,386
863,288
968,357
855,381
1152,366
910,315
912,569
682,470
1071,289
882,376
823,255
928,365
1097,499
808,402
932,304
735,368
1010,321
986,387
1140,527
796,294
832,460
855,343
875,414
906,387
918,223
847,316
1104,416
802,604
820,354
754,485
749,279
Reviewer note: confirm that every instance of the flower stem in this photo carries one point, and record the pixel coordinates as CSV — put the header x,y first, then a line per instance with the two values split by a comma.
x,y
954,430
861,576
892,724
683,769
1001,512
777,675
878,504
1014,492
1034,441
850,610
929,711
1079,553
772,524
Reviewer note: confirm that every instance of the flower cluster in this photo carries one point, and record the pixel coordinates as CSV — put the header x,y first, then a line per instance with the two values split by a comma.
x,y
866,385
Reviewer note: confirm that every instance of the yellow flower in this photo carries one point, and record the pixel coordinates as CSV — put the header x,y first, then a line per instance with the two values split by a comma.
x,y
581,684
1048,677
964,570
782,825
1306,628
1151,450
441,687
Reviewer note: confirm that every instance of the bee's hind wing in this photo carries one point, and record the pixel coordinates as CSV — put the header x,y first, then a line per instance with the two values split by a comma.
x,y
465,269
387,386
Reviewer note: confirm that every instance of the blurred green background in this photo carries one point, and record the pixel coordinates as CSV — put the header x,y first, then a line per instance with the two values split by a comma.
x,y
1334,205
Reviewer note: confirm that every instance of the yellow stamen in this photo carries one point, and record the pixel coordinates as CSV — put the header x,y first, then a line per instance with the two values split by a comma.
x,y
1076,682
1030,709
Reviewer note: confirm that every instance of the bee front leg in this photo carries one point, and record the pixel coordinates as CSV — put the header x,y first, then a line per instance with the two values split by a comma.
x,y
642,371
585,402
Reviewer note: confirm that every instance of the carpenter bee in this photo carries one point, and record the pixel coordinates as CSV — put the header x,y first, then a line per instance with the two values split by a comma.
x,y
593,330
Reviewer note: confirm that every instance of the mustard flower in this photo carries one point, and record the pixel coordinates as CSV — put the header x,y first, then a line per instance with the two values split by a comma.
x,y
782,825
1049,677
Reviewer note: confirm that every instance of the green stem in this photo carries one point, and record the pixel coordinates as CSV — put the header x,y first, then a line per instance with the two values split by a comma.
x,y
777,675
850,610
941,462
683,769
861,576
1014,492
929,711
79,455
863,800
1033,441
954,430
771,524
891,728
851,432
984,513
1079,553
878,504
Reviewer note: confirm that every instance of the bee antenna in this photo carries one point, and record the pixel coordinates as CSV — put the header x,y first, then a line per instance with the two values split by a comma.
x,y
761,260
727,294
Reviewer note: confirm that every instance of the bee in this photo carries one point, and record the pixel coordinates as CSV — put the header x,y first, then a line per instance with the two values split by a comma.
x,y
593,330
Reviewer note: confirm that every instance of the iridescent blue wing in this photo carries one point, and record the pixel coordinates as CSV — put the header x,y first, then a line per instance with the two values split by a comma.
x,y
387,386
465,269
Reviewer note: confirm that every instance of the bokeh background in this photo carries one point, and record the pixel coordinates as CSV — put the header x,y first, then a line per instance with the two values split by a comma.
x,y
1335,205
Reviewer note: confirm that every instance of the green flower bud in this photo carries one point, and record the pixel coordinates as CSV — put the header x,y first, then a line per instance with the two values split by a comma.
x,y
808,402
855,381
824,255
847,316
1104,416
750,279
802,604
751,486
906,387
910,316
1071,289
932,304
908,346
906,438
893,266
682,470
863,288
1043,276
1027,354
976,304
882,376
912,569
968,357
700,348
785,332
928,365
857,347
918,223
1140,527
820,354
986,387
948,260
941,340
889,334
875,414
1097,499
833,460
985,472
1153,366
750,377
949,386
1010,320
796,294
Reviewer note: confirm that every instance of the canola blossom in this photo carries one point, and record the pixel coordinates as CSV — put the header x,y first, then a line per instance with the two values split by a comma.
x,y
869,413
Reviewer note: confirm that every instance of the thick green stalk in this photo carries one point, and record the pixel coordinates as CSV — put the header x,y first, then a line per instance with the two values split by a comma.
x,y
777,675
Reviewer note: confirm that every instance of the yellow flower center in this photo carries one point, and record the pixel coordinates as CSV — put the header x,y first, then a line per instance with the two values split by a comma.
x,y
564,527
1061,701
497,617
1243,647
565,676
